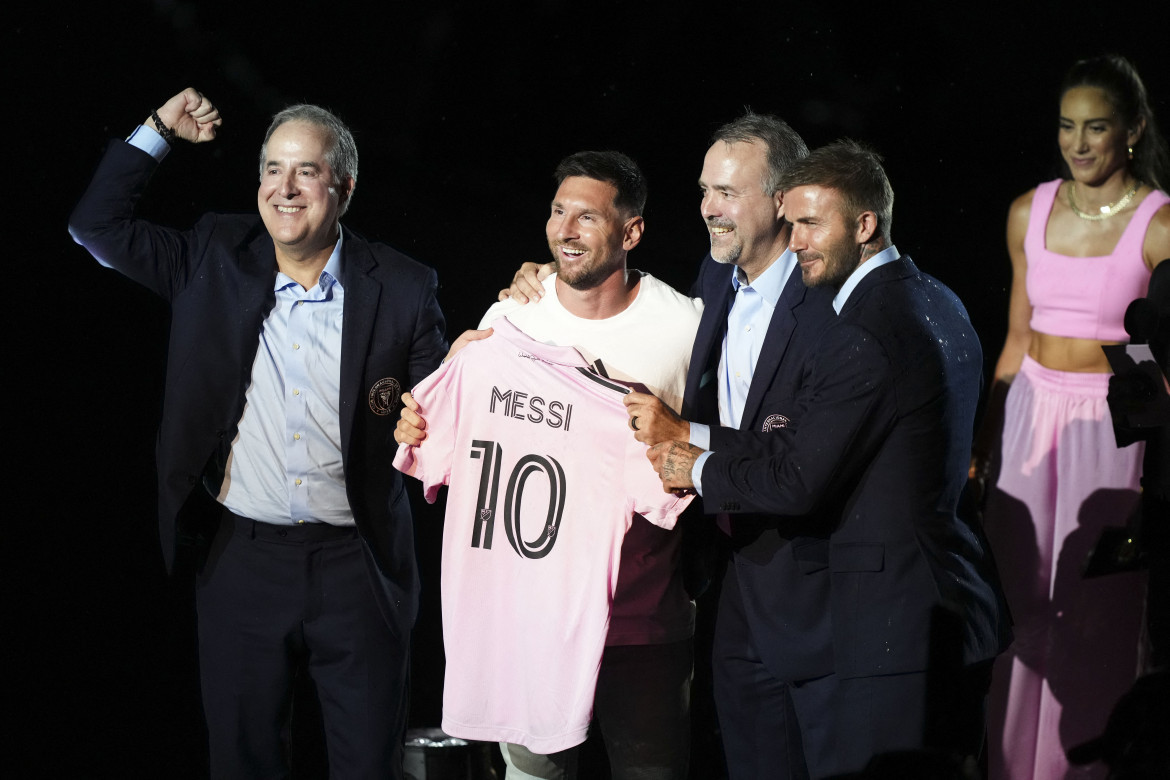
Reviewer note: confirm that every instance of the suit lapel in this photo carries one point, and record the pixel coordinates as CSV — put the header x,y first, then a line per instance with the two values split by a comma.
x,y
362,292
701,398
780,330
256,298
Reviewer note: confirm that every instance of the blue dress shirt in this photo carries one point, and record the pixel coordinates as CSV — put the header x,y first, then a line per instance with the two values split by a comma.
x,y
747,325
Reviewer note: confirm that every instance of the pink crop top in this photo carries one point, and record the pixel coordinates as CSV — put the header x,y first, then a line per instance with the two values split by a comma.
x,y
1086,297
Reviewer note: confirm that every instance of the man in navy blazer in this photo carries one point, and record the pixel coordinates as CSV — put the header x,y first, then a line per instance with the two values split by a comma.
x,y
759,323
885,602
291,340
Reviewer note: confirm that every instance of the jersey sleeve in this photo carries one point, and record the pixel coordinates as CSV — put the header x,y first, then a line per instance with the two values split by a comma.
x,y
430,462
645,491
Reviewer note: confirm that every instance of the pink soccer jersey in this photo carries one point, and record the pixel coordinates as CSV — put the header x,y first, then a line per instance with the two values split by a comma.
x,y
544,475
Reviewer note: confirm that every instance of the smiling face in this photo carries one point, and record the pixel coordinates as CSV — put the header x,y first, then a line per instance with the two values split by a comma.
x,y
826,242
1093,138
299,197
587,234
745,222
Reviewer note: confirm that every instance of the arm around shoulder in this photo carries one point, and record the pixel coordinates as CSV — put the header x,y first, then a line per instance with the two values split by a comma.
x,y
527,283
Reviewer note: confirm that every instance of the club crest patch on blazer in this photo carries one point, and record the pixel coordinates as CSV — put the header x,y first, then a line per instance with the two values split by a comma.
x,y
384,396
773,422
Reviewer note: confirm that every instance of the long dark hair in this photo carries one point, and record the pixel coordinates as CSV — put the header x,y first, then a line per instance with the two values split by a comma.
x,y
1119,80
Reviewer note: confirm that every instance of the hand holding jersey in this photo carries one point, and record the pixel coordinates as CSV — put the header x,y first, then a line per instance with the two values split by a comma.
x,y
523,435
653,420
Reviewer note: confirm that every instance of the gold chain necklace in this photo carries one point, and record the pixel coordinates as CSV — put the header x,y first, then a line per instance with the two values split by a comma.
x,y
1106,211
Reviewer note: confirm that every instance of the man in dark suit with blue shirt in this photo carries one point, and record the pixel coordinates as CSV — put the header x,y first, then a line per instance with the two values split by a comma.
x,y
759,323
862,483
291,340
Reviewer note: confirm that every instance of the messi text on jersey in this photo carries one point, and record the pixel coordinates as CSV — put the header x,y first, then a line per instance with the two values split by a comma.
x,y
533,409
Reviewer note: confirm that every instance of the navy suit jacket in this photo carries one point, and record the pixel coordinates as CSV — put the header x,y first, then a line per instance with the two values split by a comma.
x,y
218,277
867,481
775,559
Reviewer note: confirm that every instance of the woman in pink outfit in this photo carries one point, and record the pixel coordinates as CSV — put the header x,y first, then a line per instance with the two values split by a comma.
x,y
1082,248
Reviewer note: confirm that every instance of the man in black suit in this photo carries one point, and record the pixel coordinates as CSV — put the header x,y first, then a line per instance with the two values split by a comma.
x,y
882,598
291,339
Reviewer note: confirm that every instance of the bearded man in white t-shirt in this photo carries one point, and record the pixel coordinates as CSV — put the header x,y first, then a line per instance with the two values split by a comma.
x,y
638,330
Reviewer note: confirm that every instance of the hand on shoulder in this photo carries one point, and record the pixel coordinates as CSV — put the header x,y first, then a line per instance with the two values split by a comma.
x,y
527,283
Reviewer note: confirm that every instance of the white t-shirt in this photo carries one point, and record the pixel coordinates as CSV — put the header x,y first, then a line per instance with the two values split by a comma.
x,y
649,343
545,476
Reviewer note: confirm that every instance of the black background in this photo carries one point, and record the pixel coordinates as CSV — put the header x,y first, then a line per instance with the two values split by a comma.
x,y
461,112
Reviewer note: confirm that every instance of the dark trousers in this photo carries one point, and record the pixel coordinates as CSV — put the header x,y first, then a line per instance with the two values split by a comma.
x,y
275,601
775,729
847,722
757,718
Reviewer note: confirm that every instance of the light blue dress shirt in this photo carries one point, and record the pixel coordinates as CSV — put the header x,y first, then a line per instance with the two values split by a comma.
x,y
285,464
747,325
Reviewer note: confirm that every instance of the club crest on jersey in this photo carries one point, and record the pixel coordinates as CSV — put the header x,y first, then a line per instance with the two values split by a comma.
x,y
384,396
773,422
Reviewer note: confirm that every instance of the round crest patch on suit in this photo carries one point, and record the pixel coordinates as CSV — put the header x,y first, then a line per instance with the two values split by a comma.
x,y
385,396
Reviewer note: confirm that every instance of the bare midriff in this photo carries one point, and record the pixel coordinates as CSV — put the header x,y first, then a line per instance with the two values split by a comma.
x,y
1061,353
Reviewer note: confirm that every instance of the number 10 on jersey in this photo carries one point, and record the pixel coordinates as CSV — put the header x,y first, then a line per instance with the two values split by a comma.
x,y
491,455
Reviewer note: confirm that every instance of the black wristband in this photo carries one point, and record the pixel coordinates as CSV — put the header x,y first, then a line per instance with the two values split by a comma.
x,y
167,133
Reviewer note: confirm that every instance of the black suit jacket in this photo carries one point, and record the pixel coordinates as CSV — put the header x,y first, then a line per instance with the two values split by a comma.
x,y
871,471
218,277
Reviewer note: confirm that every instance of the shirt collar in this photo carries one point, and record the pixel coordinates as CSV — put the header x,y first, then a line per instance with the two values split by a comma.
x,y
887,255
330,274
770,284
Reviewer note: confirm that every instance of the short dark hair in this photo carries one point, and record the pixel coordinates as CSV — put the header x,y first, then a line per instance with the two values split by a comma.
x,y
612,168
1119,80
783,144
853,170
341,155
